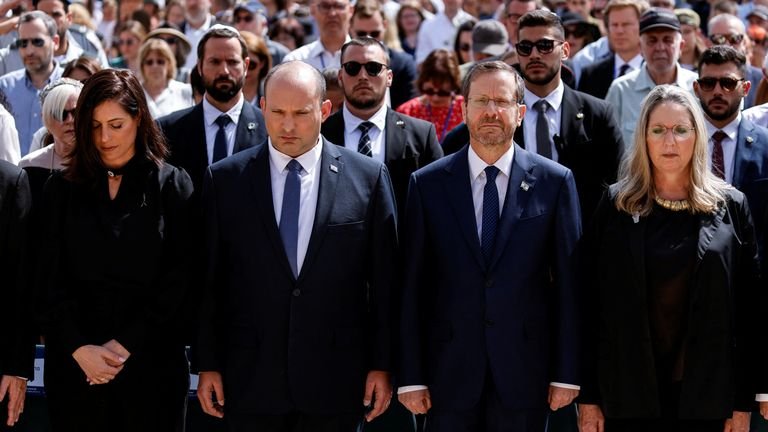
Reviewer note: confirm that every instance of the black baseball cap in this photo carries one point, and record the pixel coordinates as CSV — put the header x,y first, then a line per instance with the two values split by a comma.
x,y
657,18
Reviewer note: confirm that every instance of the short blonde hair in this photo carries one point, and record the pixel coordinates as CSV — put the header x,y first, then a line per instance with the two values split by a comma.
x,y
636,189
159,46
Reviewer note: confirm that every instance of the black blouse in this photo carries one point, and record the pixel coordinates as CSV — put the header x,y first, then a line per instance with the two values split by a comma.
x,y
115,268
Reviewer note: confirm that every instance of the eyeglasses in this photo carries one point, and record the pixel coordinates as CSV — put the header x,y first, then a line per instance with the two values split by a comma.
x,y
726,83
484,102
152,62
246,18
545,46
253,63
679,132
328,7
127,42
373,34
433,92
732,39
23,43
352,68
465,47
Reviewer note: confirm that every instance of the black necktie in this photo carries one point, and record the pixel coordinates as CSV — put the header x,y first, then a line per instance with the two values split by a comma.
x,y
220,143
718,160
289,216
623,69
364,144
543,137
490,212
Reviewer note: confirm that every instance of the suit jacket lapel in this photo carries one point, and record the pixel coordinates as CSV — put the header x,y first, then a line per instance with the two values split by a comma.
x,y
261,187
458,189
197,129
515,201
326,195
333,129
520,136
396,141
745,143
571,122
247,125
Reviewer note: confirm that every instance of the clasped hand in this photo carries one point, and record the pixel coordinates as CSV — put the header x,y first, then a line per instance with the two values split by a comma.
x,y
101,364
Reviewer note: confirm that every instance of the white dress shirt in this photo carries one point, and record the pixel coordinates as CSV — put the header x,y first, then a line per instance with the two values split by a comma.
x,y
438,32
310,185
555,100
175,97
729,145
316,55
210,114
352,134
194,35
634,64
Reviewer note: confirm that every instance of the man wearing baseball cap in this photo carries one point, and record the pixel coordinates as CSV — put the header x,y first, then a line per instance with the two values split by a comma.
x,y
251,16
660,43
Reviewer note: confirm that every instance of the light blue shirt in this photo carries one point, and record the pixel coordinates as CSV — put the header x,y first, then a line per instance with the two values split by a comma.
x,y
591,53
25,103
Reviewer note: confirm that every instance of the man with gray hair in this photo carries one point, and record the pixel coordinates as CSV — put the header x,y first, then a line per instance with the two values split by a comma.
x,y
38,39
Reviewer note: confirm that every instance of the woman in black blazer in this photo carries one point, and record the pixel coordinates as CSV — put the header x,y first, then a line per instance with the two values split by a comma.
x,y
113,273
672,273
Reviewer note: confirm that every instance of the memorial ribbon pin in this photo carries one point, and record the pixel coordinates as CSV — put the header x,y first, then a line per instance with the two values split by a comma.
x,y
525,186
750,139
400,123
334,168
579,115
251,126
636,217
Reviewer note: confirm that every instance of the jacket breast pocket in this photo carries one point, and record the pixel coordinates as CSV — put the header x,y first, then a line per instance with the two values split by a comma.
x,y
346,227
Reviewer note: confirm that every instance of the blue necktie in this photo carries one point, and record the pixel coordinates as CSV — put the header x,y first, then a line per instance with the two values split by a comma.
x,y
220,143
364,144
490,212
289,217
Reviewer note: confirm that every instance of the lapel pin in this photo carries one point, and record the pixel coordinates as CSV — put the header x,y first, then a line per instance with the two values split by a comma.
x,y
750,139
400,123
525,186
334,168
579,115
636,217
251,126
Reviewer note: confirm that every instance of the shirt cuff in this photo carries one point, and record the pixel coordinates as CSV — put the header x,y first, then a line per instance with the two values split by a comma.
x,y
410,388
761,397
565,386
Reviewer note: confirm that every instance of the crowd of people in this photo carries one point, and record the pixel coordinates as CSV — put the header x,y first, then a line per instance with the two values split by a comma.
x,y
492,212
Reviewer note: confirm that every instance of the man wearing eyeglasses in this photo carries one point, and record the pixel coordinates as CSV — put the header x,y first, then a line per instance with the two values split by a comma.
x,y
726,29
365,124
250,16
513,10
38,39
490,309
332,18
369,20
661,41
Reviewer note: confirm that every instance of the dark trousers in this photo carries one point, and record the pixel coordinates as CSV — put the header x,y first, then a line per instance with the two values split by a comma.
x,y
293,422
488,416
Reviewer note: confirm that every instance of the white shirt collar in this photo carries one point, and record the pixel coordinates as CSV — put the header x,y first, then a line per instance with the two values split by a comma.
x,y
477,166
318,48
351,122
731,129
634,63
308,160
211,113
555,98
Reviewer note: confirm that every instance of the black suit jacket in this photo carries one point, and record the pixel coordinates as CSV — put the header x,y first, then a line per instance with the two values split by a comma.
x,y
589,143
410,144
403,69
16,338
596,78
722,371
306,343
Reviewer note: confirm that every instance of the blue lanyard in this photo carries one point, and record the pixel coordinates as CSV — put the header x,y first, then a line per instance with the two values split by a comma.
x,y
447,120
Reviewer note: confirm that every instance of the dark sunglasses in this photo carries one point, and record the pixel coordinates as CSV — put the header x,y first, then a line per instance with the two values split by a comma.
x,y
726,83
23,43
729,39
465,47
373,34
432,92
246,18
66,113
545,46
152,62
253,64
352,68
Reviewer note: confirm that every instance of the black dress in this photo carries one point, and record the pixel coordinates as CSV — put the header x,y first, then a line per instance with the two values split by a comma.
x,y
116,269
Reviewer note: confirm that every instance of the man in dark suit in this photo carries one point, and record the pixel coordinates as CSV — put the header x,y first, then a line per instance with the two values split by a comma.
x,y
490,319
623,17
297,339
739,148
369,20
578,130
403,143
18,345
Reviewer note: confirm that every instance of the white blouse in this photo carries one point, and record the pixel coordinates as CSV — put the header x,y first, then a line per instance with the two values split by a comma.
x,y
175,97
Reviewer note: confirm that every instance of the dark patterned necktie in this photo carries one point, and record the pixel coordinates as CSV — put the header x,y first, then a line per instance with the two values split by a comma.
x,y
718,161
623,69
364,145
490,212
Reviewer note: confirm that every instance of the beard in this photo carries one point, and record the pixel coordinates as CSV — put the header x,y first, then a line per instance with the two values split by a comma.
x,y
731,109
364,102
490,137
223,94
549,75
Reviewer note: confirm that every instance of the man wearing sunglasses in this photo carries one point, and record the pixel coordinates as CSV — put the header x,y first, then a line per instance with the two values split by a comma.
x,y
38,39
332,18
661,41
74,41
726,29
365,123
369,20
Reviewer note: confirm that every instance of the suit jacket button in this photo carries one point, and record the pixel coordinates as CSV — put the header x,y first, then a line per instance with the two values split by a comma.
x,y
489,283
296,292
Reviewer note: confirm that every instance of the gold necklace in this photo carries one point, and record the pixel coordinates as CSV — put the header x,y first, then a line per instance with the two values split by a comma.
x,y
672,205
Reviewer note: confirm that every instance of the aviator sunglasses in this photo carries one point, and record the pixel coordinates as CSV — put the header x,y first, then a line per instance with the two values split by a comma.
x,y
352,68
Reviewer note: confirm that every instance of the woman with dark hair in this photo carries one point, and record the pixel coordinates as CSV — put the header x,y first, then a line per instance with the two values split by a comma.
x,y
409,19
260,64
439,84
81,68
287,31
462,45
114,274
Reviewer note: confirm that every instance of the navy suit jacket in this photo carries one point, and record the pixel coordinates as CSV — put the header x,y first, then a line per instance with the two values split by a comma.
x,y
750,174
283,343
596,78
516,314
403,69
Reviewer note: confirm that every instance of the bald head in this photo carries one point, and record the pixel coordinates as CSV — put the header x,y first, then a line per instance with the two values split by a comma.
x,y
296,73
724,23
